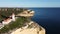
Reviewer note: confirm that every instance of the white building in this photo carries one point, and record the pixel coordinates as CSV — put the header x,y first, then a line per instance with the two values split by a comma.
x,y
13,17
8,20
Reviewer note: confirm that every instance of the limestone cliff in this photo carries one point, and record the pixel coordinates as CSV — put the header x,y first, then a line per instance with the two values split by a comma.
x,y
30,28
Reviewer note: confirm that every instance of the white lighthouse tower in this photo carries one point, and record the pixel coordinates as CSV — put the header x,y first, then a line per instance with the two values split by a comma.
x,y
13,17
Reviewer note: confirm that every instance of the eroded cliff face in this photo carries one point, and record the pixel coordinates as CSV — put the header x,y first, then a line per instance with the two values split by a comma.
x,y
30,28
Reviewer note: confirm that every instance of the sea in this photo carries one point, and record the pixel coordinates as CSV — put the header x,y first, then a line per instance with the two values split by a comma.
x,y
48,18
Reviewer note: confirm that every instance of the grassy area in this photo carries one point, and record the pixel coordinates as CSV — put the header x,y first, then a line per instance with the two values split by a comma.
x,y
7,13
18,23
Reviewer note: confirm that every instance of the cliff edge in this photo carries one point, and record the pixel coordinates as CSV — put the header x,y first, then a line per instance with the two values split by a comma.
x,y
22,24
31,27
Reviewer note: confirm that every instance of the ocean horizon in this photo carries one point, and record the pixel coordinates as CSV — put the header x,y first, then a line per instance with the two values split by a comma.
x,y
49,18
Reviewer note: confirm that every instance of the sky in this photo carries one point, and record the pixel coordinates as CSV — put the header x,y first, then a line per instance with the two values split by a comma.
x,y
29,3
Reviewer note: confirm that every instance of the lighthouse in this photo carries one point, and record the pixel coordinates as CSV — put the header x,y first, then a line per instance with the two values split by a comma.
x,y
13,17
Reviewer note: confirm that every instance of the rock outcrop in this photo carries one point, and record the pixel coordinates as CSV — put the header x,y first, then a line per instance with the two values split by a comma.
x,y
26,13
31,27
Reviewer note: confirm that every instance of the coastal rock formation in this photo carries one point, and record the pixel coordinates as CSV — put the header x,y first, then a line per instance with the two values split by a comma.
x,y
26,13
30,28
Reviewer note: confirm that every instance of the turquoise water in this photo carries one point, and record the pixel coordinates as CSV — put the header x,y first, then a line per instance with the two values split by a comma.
x,y
49,18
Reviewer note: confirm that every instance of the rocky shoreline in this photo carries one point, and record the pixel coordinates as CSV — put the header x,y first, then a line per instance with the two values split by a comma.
x,y
30,27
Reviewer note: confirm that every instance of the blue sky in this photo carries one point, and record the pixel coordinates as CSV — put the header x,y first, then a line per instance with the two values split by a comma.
x,y
29,3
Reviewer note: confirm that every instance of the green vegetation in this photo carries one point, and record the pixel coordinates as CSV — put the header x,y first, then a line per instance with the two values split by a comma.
x,y
7,13
13,25
18,23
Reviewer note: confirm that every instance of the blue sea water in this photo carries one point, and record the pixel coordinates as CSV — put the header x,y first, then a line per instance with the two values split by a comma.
x,y
49,18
